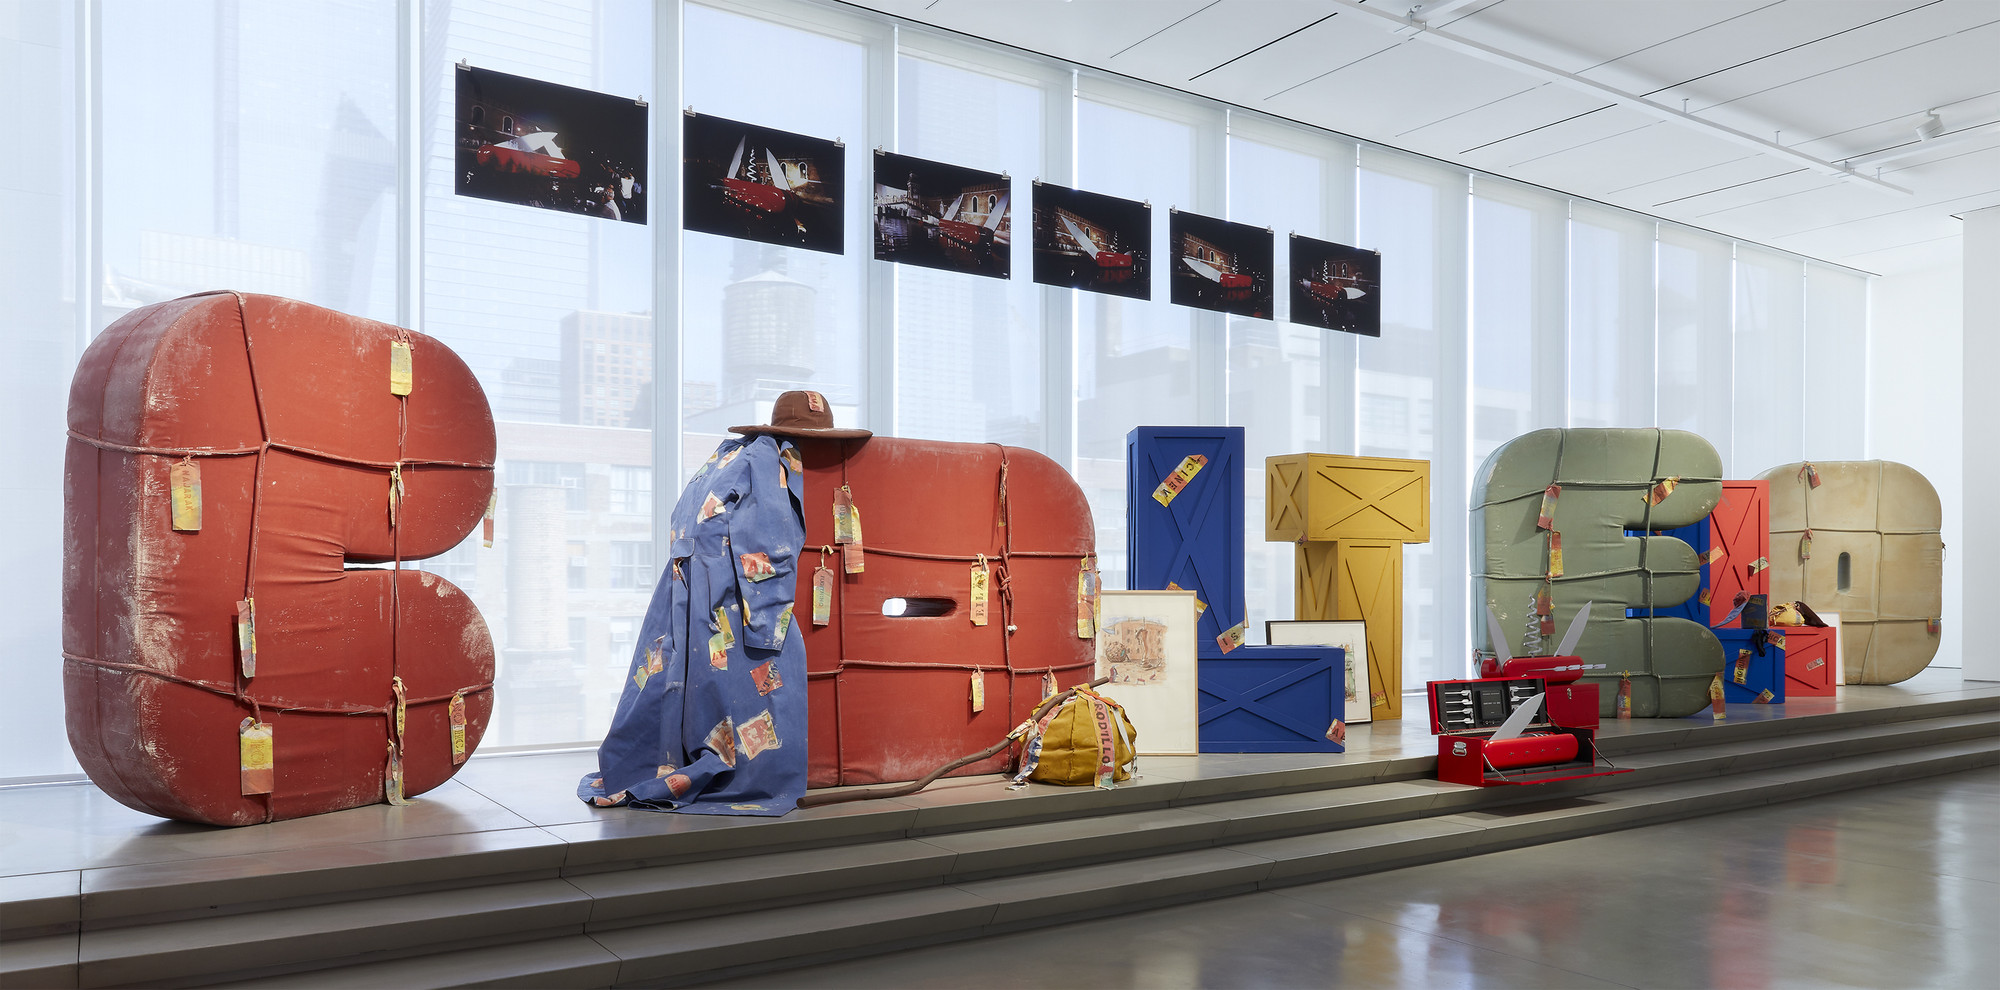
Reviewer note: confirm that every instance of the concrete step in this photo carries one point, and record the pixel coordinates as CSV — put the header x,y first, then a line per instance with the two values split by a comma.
x,y
686,922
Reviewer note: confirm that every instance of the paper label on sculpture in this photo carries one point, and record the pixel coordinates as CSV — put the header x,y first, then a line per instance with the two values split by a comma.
x,y
718,652
978,691
1555,555
722,739
845,529
1708,596
822,596
1658,493
980,578
1715,698
246,637
1815,663
1778,640
184,487
457,713
392,778
1337,733
1759,564
784,623
725,628
758,735
1742,674
1765,697
402,705
1171,486
656,656
756,567
1086,609
486,524
401,374
711,507
258,766
1049,685
1805,546
1810,474
395,493
853,559
640,675
1624,697
765,677
1547,520
1231,637
1199,605
1714,554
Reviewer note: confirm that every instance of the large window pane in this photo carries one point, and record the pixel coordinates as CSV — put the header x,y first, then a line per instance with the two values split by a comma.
x,y
268,165
1836,369
1517,314
1415,217
758,319
1770,387
969,349
1134,358
1610,319
1695,340
553,313
40,330
1275,390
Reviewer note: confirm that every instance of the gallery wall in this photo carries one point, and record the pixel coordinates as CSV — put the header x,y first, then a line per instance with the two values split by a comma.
x,y
310,154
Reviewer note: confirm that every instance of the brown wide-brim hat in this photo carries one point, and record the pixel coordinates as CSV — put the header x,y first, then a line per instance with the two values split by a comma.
x,y
802,414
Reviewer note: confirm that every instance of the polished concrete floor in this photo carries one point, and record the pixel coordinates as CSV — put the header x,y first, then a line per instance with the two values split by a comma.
x,y
1895,886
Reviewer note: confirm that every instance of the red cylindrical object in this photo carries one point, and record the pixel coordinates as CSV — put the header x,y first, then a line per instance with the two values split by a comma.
x,y
1530,751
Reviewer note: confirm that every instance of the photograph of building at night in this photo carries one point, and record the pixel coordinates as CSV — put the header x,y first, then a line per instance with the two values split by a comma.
x,y
942,216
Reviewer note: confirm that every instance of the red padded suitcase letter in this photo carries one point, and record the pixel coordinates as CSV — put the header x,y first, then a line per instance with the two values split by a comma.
x,y
287,414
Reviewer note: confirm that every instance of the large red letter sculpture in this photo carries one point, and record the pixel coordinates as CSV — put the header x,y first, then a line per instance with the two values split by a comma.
x,y
229,456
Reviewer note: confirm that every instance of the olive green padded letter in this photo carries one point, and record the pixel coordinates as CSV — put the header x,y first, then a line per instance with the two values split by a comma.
x,y
1606,476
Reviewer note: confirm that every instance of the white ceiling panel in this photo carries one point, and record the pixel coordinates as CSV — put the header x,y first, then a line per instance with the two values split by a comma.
x,y
1755,35
1500,118
1835,78
1215,34
1575,35
1411,83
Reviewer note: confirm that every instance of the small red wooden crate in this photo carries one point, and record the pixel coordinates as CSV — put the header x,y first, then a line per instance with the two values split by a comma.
x,y
1808,660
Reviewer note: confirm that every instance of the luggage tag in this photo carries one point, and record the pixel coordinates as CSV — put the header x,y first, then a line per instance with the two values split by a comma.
x,y
1809,474
1759,564
1715,698
822,590
1765,697
1086,610
254,745
1199,603
1231,637
402,705
392,778
1545,611
1742,668
486,524
1555,555
401,374
1547,520
457,728
1173,483
978,691
1805,546
184,487
843,516
246,636
1658,493
1049,683
981,577
851,560
395,492
1624,707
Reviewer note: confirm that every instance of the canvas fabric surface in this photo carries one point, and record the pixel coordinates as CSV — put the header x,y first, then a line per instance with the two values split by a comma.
x,y
707,726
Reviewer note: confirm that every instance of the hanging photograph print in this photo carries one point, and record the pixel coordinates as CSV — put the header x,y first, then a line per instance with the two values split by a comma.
x,y
1221,266
941,216
1085,240
759,184
1336,287
552,147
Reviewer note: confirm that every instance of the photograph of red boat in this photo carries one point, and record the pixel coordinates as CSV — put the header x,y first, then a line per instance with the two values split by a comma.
x,y
760,184
1087,240
548,146
942,216
1336,286
1221,266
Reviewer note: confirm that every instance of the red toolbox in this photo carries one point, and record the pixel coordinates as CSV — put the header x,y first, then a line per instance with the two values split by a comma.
x,y
1465,716
1808,659
891,695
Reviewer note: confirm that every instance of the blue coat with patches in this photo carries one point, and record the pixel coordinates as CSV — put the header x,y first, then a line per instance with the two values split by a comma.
x,y
712,719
